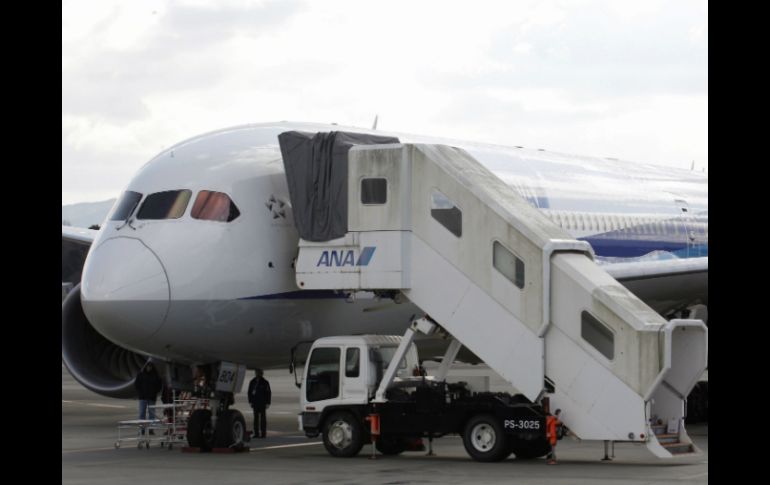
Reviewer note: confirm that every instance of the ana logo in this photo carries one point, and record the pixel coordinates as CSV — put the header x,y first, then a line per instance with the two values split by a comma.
x,y
346,258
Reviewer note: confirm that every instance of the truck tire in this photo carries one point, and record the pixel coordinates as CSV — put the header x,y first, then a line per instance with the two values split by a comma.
x,y
343,435
231,429
484,439
390,445
526,450
200,431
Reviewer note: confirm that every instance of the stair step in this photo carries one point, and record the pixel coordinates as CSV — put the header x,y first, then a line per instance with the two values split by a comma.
x,y
678,448
667,438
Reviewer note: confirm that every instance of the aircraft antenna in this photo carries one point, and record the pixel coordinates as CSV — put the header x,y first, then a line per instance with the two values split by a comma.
x,y
374,126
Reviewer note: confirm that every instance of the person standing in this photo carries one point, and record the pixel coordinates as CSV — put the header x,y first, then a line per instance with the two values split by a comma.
x,y
259,398
551,424
147,385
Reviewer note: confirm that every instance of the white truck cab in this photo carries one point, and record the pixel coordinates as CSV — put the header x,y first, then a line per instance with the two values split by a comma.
x,y
347,370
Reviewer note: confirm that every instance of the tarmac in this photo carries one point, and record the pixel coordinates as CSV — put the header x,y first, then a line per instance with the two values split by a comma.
x,y
286,456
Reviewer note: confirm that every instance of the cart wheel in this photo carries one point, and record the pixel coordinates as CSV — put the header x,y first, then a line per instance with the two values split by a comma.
x,y
147,445
162,444
170,445
117,444
139,445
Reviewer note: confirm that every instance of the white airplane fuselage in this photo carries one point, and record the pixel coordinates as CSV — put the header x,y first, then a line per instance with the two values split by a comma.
x,y
199,291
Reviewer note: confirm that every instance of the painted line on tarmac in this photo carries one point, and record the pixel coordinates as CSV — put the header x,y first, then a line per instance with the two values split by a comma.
x,y
295,445
691,477
86,449
116,406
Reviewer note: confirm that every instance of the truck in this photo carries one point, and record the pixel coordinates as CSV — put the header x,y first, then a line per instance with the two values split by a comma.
x,y
356,388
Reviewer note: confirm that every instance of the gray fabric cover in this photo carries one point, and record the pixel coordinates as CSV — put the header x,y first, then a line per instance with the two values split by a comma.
x,y
317,173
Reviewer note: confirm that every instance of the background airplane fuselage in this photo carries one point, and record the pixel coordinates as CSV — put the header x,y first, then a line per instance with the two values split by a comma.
x,y
199,291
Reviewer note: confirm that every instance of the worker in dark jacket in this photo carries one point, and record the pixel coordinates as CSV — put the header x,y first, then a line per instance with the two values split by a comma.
x,y
259,398
148,385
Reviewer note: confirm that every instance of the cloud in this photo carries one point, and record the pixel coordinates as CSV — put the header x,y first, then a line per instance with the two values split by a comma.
x,y
110,69
595,51
582,76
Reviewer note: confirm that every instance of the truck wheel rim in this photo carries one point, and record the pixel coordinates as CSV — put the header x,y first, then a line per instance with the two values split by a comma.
x,y
483,437
340,434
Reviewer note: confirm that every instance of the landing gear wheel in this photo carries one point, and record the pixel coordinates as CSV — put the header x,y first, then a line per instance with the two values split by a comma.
x,y
389,445
343,435
231,429
484,439
200,431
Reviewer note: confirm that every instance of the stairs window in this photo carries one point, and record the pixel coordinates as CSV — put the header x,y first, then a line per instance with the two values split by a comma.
x,y
508,264
597,334
446,213
374,191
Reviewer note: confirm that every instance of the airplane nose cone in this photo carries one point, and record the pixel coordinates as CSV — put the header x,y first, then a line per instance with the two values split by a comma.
x,y
124,290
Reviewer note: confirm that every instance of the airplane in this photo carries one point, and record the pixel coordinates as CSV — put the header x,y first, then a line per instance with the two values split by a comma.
x,y
194,264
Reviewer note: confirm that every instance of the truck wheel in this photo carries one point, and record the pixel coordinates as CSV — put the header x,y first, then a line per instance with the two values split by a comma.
x,y
231,429
343,435
484,439
526,450
200,432
390,445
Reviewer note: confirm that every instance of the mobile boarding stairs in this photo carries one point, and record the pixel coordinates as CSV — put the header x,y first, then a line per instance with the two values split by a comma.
x,y
430,222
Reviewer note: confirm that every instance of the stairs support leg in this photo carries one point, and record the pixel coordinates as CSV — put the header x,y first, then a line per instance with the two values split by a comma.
x,y
606,450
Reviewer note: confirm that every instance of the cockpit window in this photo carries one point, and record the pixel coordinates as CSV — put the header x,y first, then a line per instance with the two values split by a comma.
x,y
126,205
214,206
165,205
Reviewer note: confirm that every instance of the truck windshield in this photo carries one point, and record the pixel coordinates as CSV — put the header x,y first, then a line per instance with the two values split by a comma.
x,y
323,375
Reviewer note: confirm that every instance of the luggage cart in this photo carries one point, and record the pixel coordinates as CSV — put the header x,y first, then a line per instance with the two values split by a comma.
x,y
167,430
141,427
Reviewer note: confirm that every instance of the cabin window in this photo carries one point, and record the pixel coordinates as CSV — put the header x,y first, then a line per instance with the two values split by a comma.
x,y
126,205
352,362
374,191
214,206
323,375
508,264
170,204
597,334
446,213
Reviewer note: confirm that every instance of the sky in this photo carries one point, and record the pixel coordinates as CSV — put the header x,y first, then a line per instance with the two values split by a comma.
x,y
610,78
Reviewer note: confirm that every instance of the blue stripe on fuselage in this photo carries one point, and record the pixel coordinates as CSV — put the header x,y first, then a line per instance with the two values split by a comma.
x,y
634,248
